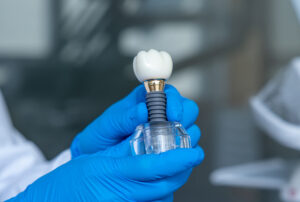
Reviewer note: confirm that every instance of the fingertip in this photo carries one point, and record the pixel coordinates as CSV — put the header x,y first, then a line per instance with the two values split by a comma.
x,y
188,158
200,155
140,88
195,134
168,198
174,106
138,94
190,112
142,112
133,117
174,109
194,107
170,88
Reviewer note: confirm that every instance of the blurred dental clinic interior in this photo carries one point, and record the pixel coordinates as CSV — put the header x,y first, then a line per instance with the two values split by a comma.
x,y
63,62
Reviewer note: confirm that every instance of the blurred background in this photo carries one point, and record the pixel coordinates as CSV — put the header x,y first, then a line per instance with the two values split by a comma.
x,y
63,62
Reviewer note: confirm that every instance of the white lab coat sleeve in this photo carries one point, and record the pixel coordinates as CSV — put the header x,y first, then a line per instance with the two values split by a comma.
x,y
21,162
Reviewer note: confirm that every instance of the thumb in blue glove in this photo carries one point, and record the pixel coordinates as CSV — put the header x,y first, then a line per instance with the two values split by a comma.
x,y
99,178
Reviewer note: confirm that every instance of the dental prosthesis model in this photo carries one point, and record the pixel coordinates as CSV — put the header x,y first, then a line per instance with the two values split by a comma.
x,y
154,68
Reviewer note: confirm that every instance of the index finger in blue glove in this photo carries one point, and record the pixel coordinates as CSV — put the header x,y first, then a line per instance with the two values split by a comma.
x,y
111,127
122,117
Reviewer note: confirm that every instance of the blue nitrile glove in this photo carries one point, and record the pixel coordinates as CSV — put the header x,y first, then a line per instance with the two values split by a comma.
x,y
123,149
120,120
96,177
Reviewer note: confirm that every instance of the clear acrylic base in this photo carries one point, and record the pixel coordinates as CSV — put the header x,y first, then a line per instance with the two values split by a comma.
x,y
158,137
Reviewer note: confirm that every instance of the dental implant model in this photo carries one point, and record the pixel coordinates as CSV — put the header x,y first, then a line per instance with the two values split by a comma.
x,y
154,68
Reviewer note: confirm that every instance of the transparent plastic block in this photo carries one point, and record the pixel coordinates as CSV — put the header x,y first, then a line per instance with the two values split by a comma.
x,y
158,137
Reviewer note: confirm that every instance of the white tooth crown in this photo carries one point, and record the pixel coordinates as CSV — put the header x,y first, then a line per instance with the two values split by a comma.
x,y
152,65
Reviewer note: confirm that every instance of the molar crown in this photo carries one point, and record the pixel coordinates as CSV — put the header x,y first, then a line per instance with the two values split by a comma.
x,y
152,65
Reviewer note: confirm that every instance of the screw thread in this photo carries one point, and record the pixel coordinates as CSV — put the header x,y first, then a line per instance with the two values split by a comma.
x,y
156,104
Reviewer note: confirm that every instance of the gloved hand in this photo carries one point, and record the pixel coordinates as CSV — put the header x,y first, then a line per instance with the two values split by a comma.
x,y
97,177
120,120
122,149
